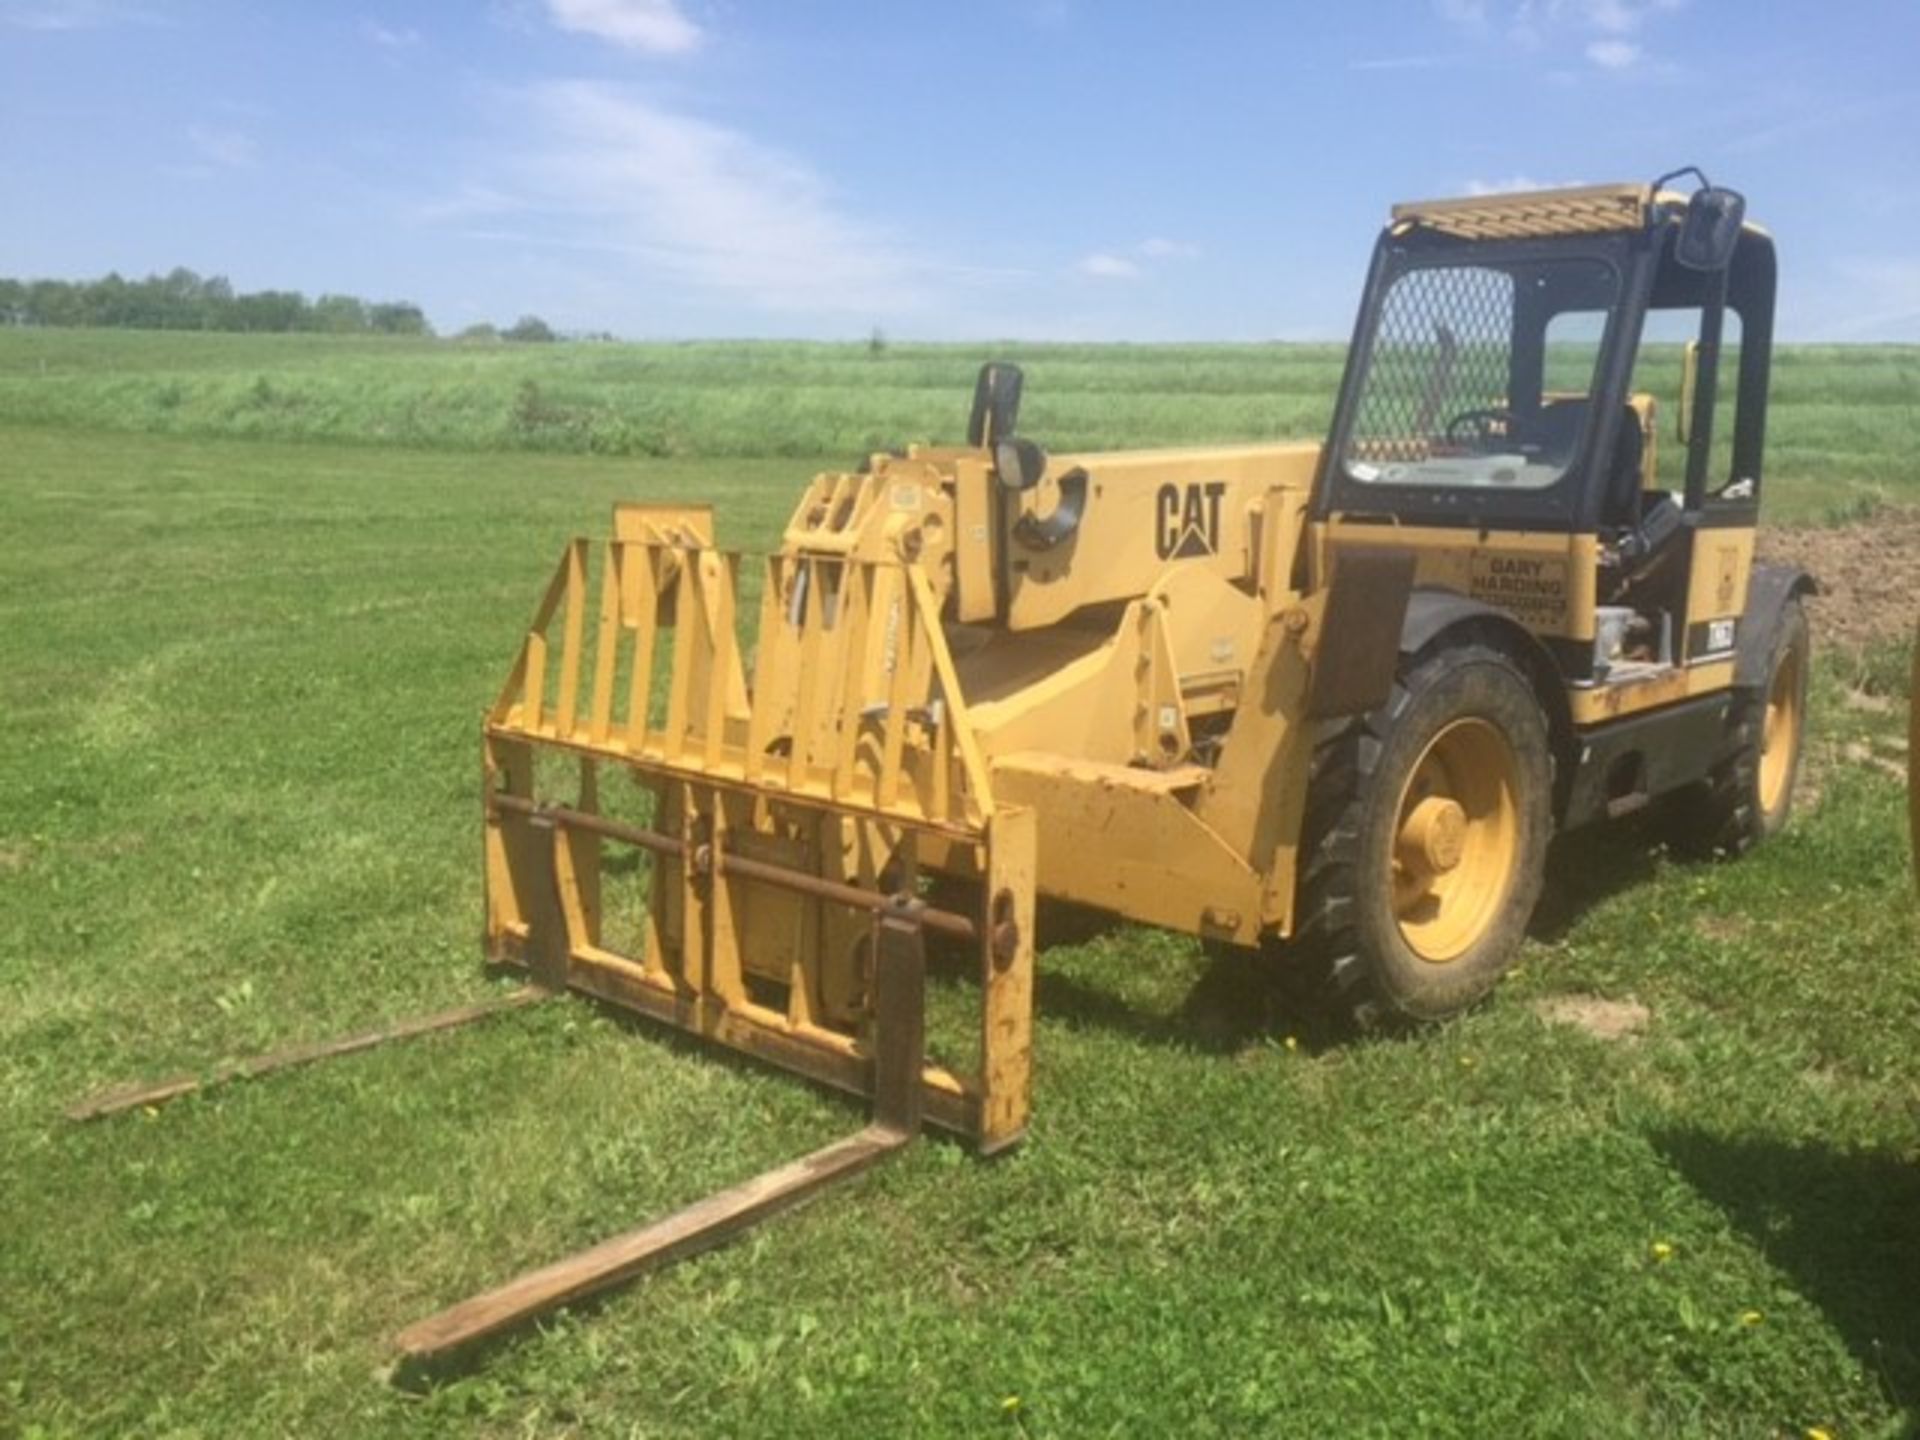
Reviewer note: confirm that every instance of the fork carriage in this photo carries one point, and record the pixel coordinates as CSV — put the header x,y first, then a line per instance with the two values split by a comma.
x,y
779,817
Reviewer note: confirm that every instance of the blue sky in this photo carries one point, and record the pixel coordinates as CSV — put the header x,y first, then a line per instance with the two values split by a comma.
x,y
997,168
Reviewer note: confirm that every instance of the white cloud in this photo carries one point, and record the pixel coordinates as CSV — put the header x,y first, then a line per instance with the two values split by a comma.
x,y
467,202
1514,184
1045,14
1405,62
1610,33
1103,265
1121,264
55,15
1617,17
700,205
229,149
1159,247
1613,54
389,39
655,26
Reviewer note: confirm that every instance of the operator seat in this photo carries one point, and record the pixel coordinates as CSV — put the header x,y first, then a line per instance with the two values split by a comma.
x,y
1556,429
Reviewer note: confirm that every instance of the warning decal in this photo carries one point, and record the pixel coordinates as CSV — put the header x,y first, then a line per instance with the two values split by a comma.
x,y
1532,588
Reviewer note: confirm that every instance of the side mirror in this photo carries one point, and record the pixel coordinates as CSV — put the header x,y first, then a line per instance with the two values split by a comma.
x,y
996,404
1710,228
1019,463
1689,381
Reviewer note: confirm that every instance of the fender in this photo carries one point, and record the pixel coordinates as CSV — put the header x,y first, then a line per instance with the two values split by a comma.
x,y
1769,588
1434,615
1370,596
1430,612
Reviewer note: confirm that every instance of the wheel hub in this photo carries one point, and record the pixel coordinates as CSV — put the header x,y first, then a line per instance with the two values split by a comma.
x,y
1434,835
1458,839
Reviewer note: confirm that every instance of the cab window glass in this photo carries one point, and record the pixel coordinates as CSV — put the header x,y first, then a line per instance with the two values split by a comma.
x,y
1573,354
1658,370
1441,403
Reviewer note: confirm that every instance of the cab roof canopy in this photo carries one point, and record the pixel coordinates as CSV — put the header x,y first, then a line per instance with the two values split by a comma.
x,y
1538,214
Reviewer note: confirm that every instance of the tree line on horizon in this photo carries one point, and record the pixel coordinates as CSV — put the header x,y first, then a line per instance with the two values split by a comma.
x,y
184,300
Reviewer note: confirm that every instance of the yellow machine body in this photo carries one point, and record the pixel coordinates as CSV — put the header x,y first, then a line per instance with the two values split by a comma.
x,y
1121,713
1331,701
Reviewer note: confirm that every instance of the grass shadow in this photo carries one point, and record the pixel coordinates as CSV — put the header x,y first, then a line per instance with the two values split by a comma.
x,y
1240,998
1588,866
1843,1225
1062,922
1244,995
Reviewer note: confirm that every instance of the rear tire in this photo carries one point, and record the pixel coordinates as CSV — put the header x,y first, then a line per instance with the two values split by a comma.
x,y
1425,840
1748,796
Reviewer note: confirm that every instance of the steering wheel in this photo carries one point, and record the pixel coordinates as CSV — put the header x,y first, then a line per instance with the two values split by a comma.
x,y
1481,423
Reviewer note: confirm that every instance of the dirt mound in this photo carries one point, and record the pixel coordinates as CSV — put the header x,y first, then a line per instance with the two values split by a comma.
x,y
1869,575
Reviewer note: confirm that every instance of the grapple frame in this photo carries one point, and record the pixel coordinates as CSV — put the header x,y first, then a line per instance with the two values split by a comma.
x,y
783,814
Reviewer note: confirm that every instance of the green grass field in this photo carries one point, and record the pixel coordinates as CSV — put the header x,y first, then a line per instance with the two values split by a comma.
x,y
1839,412
238,809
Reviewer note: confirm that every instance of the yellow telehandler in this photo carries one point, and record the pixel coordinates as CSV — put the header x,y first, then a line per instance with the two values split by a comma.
x,y
1328,700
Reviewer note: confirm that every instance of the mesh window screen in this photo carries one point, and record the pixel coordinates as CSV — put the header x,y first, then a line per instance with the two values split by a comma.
x,y
1437,402
1441,350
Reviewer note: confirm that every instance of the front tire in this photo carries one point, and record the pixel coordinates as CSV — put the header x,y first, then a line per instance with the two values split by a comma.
x,y
1426,838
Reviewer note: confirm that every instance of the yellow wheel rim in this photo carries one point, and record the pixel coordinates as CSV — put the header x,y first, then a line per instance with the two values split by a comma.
x,y
1780,733
1456,840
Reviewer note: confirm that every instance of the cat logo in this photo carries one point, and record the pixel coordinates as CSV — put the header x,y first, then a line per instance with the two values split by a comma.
x,y
1187,520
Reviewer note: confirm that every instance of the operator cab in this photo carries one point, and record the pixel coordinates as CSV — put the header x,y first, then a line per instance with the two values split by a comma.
x,y
1506,378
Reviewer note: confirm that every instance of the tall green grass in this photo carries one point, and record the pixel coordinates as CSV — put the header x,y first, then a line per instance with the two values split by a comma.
x,y
1841,418
652,400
